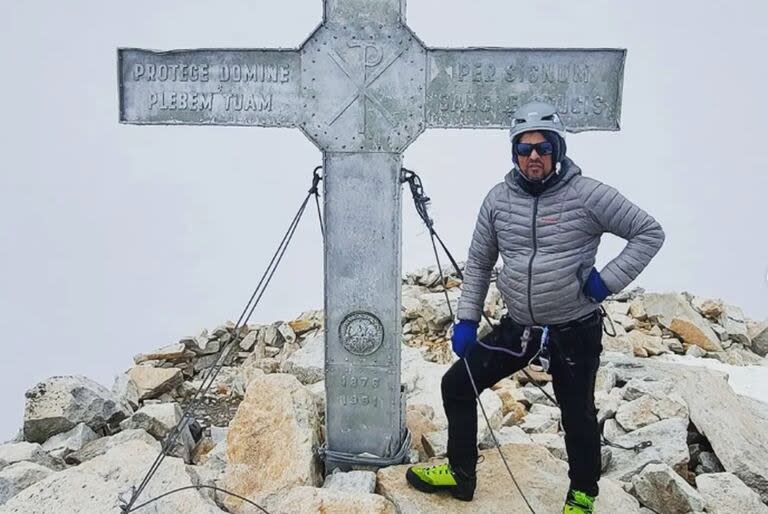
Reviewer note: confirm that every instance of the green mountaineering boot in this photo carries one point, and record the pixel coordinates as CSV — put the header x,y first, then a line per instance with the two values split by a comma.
x,y
579,502
430,479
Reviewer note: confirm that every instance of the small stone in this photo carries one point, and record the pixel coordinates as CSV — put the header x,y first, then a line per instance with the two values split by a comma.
x,y
708,307
419,421
539,424
308,363
722,334
249,341
734,322
652,345
435,444
509,435
11,453
152,382
125,389
758,334
637,309
202,344
660,488
695,351
708,463
675,346
170,353
606,456
269,366
301,326
612,430
287,333
351,481
65,443
552,442
158,421
636,414
606,379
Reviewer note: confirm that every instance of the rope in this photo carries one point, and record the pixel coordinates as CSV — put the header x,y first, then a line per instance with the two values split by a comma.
x,y
421,201
224,353
217,489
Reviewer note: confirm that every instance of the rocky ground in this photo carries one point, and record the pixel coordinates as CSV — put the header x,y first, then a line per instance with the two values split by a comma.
x,y
259,429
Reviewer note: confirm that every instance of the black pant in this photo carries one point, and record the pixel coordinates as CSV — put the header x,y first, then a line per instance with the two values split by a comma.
x,y
575,357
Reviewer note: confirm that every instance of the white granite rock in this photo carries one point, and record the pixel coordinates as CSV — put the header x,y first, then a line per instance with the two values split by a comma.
x,y
12,453
724,493
659,487
308,363
158,420
351,481
17,477
94,486
65,443
59,404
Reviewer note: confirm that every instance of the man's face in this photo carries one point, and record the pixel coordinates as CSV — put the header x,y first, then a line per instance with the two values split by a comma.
x,y
534,167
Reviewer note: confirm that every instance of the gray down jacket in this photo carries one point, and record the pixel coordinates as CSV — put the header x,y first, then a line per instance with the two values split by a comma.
x,y
548,245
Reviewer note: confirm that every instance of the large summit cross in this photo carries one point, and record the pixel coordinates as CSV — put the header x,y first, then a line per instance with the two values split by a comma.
x,y
363,87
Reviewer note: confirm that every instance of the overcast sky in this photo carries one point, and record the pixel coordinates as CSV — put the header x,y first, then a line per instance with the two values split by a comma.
x,y
118,239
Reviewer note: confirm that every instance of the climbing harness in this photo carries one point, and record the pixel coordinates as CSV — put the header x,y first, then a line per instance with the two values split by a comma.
x,y
129,498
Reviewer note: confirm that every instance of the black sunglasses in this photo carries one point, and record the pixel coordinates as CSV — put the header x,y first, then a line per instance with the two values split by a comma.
x,y
543,148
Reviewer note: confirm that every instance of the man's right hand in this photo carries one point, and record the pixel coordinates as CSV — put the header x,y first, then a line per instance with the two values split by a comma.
x,y
464,336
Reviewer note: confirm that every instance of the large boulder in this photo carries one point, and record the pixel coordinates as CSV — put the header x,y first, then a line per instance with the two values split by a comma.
x,y
731,427
673,312
724,493
94,487
542,477
272,440
58,404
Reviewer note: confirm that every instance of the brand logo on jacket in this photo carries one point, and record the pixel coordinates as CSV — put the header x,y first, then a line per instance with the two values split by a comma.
x,y
549,220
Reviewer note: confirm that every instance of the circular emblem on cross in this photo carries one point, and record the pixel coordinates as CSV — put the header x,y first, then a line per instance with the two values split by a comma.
x,y
361,333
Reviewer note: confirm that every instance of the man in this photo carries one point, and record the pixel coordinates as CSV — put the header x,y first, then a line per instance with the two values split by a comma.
x,y
545,220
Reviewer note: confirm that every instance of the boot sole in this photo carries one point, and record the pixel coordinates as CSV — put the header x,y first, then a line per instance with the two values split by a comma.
x,y
417,483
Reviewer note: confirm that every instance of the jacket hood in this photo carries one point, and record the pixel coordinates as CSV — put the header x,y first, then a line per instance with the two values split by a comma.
x,y
568,170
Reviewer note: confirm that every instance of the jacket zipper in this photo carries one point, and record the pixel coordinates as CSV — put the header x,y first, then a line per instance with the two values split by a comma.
x,y
530,262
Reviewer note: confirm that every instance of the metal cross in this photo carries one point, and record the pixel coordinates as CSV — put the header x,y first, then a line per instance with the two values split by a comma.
x,y
363,87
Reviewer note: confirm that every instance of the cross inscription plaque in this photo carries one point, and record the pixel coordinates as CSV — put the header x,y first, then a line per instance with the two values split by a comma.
x,y
363,87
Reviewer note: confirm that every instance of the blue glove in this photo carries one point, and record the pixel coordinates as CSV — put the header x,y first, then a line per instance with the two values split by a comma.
x,y
464,336
595,288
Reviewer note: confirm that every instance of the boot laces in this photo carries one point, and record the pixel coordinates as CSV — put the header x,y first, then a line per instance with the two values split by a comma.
x,y
438,469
